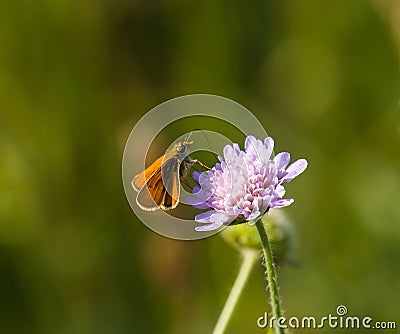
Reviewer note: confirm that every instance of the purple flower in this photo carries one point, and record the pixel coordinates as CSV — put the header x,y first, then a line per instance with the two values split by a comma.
x,y
244,184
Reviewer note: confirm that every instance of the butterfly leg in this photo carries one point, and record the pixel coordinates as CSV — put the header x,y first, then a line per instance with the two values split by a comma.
x,y
195,161
187,184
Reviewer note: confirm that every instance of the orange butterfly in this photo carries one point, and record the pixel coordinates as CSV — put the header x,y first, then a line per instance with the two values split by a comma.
x,y
159,184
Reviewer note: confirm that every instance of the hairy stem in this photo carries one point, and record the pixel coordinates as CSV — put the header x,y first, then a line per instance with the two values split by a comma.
x,y
271,275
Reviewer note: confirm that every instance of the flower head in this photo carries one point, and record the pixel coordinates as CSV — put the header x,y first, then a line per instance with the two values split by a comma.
x,y
244,184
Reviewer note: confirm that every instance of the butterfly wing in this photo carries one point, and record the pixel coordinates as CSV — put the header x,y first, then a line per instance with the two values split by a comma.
x,y
171,175
161,189
152,193
140,180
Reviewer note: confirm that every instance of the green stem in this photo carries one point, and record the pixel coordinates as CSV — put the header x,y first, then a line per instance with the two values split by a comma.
x,y
271,274
249,258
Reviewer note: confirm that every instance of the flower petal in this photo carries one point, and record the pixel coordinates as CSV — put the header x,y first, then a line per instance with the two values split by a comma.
x,y
249,142
204,180
269,144
195,175
236,147
253,215
295,169
204,217
282,160
281,203
208,227
280,191
213,220
196,202
257,151
230,154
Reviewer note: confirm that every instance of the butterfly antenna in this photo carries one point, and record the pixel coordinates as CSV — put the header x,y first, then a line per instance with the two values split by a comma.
x,y
186,140
209,145
202,131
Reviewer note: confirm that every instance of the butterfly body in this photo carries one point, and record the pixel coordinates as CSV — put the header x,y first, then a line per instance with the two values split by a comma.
x,y
158,185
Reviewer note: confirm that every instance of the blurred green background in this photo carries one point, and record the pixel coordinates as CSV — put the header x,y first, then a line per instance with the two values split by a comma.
x,y
75,77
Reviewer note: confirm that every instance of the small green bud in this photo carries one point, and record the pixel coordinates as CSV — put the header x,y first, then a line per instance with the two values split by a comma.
x,y
244,236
